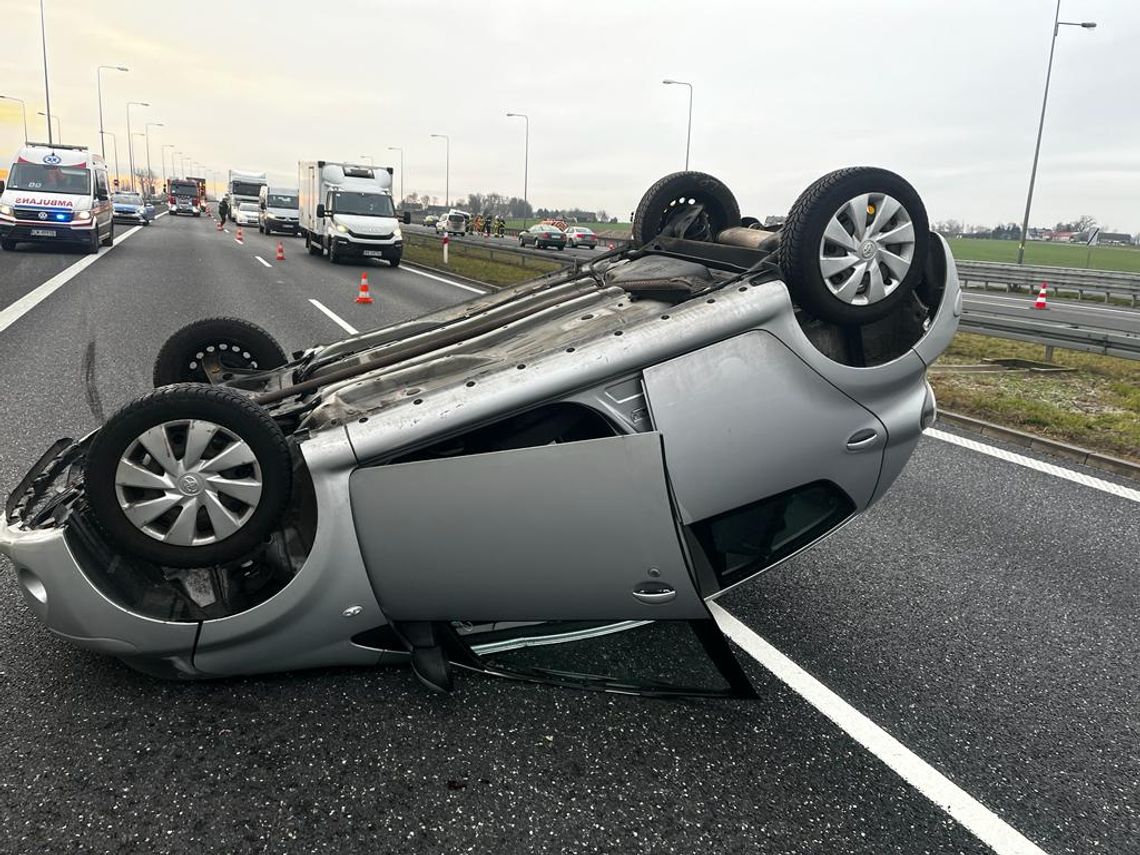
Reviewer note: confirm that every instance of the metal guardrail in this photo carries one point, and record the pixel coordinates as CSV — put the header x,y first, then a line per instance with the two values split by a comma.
x,y
1102,341
1070,279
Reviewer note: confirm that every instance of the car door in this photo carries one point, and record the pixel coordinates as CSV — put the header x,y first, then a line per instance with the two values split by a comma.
x,y
764,455
569,531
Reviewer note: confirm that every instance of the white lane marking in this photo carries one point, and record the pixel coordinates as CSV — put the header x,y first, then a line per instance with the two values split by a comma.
x,y
263,261
344,325
1073,305
1030,463
979,820
443,280
163,214
29,301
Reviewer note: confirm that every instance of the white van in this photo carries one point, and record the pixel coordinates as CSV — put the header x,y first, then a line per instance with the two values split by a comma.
x,y
347,210
278,210
56,194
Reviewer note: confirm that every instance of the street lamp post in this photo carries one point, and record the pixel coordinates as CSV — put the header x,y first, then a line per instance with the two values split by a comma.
x,y
1057,24
162,154
115,143
130,138
47,89
99,87
149,174
401,151
23,109
182,161
689,130
58,126
526,157
446,168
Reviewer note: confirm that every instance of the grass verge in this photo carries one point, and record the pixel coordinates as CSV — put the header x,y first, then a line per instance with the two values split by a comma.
x,y
1097,406
1121,258
476,263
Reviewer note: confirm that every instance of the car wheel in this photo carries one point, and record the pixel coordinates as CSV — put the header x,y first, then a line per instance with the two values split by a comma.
x,y
110,239
854,245
395,262
93,243
238,344
691,205
313,247
189,476
8,245
522,242
333,256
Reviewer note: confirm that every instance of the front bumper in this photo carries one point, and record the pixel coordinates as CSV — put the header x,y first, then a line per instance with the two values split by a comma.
x,y
128,217
355,247
68,234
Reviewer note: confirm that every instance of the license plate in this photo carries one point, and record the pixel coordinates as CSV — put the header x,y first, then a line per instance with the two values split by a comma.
x,y
372,252
43,232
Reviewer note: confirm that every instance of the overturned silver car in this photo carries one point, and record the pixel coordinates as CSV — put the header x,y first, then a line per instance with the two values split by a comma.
x,y
546,462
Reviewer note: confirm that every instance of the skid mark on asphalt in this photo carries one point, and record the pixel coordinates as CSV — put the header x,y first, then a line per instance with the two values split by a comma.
x,y
979,820
1030,463
90,388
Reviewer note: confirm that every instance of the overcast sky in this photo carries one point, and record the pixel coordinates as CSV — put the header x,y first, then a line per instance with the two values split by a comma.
x,y
946,92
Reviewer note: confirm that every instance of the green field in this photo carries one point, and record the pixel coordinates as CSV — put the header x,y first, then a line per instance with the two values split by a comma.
x,y
1123,258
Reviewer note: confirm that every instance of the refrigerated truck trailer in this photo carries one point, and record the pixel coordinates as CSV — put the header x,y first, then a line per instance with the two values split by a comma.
x,y
347,211
244,187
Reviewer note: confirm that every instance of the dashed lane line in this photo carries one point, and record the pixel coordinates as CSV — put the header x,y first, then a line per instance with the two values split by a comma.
x,y
979,820
337,319
1030,463
33,298
263,261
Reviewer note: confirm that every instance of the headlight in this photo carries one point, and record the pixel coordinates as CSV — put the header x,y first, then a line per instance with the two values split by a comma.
x,y
398,234
342,229
82,216
6,210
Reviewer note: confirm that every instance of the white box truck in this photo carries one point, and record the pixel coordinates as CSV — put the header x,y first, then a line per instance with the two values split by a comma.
x,y
244,187
278,210
347,210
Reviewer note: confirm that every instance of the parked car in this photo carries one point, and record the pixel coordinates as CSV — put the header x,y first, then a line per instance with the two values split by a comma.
x,y
543,236
247,214
581,236
130,208
603,447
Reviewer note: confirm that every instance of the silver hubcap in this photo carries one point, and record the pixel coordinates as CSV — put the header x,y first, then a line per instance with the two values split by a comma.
x,y
188,482
867,249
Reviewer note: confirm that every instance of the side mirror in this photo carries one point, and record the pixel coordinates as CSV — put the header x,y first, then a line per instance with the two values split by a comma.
x,y
1,186
320,211
407,218
102,196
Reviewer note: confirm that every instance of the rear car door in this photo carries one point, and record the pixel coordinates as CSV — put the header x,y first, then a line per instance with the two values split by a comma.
x,y
764,455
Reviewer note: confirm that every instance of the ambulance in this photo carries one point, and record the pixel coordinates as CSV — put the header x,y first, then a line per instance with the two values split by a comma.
x,y
56,194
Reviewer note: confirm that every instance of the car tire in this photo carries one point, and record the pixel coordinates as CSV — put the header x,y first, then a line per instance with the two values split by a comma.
x,y
394,262
8,245
244,346
197,213
668,199
110,239
842,260
95,241
144,453
334,257
312,246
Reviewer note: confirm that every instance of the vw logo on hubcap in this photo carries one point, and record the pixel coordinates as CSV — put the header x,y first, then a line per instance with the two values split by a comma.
x,y
189,485
868,248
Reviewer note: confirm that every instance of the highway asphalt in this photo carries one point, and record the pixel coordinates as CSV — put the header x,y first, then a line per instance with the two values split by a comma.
x,y
983,614
1064,312
581,253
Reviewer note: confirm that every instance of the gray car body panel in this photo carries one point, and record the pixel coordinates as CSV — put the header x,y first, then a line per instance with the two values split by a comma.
x,y
496,546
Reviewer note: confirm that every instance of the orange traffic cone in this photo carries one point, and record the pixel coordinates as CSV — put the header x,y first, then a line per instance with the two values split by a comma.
x,y
364,296
280,251
239,238
1041,304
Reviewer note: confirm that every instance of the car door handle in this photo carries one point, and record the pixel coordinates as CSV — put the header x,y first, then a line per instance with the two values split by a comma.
x,y
863,440
656,595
